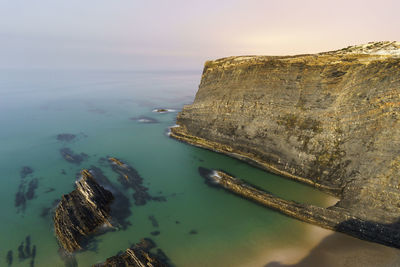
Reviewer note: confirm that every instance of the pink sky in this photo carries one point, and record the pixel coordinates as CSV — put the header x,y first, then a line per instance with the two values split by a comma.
x,y
127,34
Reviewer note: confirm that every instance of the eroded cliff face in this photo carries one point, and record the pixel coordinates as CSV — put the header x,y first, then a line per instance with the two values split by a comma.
x,y
331,120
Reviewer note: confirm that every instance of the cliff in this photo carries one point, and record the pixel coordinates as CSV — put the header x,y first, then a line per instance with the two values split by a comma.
x,y
331,120
82,212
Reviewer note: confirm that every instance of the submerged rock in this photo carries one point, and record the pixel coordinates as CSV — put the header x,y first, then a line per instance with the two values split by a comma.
x,y
138,255
66,137
330,120
33,184
82,212
25,171
71,157
9,258
130,178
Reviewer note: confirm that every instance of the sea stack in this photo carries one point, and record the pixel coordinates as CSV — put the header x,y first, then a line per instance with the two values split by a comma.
x,y
330,120
82,212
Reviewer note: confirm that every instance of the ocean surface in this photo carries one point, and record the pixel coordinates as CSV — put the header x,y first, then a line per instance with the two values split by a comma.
x,y
198,225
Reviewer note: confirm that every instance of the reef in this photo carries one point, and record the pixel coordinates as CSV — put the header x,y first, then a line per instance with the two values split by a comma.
x,y
23,194
66,137
330,120
130,178
72,157
82,212
138,255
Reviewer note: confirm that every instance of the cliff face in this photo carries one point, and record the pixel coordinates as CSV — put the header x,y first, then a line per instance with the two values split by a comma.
x,y
331,120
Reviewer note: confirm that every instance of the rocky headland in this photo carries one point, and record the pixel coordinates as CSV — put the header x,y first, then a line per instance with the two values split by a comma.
x,y
82,212
330,120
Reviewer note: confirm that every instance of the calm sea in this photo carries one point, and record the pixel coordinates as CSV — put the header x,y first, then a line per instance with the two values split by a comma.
x,y
197,225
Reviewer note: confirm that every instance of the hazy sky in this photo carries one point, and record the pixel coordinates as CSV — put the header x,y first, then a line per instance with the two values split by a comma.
x,y
172,34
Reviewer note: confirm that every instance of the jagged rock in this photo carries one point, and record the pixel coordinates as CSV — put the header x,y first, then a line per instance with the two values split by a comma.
x,y
330,120
138,255
9,258
82,212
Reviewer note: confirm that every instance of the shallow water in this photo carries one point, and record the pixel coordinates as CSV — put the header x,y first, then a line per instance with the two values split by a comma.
x,y
36,106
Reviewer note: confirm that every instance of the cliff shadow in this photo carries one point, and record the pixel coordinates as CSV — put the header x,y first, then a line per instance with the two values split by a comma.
x,y
340,249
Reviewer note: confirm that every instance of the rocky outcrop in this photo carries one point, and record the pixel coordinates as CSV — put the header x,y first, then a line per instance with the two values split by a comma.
x,y
138,255
82,212
331,120
333,218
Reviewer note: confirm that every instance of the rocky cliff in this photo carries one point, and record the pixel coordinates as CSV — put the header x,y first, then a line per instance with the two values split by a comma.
x,y
331,120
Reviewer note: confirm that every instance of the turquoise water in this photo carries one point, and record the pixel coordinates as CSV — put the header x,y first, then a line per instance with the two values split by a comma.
x,y
36,106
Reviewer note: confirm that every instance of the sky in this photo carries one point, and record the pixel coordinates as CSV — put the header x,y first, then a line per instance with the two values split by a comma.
x,y
182,35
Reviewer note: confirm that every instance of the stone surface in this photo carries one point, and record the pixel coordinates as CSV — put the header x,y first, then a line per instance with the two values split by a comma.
x,y
82,212
330,120
138,255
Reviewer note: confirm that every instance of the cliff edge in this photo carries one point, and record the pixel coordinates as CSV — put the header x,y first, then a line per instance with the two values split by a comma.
x,y
331,120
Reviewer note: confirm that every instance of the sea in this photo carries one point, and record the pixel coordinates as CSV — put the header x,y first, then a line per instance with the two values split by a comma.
x,y
111,113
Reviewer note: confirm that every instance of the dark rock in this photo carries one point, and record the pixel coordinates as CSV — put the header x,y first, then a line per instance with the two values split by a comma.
x,y
130,178
63,172
33,254
9,258
193,232
137,256
155,233
66,137
21,252
49,190
33,184
71,157
82,212
144,119
20,199
120,208
25,171
27,248
153,220
177,222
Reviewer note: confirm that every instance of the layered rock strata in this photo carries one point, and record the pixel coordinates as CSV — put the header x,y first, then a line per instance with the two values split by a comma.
x,y
333,218
137,256
330,120
82,212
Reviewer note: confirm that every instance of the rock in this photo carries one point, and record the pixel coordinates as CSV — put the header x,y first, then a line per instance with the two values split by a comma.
x,y
25,171
333,218
9,258
138,255
82,212
155,233
153,221
130,178
71,157
330,120
66,137
33,184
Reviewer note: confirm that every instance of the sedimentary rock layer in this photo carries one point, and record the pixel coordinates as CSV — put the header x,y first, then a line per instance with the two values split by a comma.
x,y
334,218
137,256
331,120
81,212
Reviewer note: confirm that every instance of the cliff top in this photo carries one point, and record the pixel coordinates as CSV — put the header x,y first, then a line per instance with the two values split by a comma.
x,y
370,51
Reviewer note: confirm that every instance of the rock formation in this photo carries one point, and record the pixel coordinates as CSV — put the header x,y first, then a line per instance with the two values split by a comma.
x,y
331,120
138,255
82,212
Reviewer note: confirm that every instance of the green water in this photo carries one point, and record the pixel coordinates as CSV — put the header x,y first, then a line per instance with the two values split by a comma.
x,y
35,106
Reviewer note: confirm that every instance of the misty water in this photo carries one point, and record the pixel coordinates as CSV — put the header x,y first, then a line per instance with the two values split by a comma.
x,y
198,225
